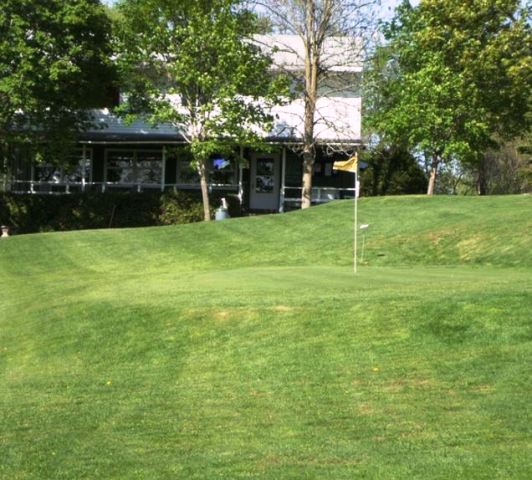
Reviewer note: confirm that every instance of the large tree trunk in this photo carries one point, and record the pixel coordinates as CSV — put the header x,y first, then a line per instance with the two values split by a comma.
x,y
204,182
311,93
433,173
482,178
308,167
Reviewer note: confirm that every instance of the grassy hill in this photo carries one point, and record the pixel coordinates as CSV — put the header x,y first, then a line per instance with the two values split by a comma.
x,y
248,349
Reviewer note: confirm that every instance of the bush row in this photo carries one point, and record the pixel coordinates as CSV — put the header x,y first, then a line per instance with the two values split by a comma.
x,y
25,213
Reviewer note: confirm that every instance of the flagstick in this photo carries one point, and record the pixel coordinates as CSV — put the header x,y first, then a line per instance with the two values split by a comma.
x,y
351,165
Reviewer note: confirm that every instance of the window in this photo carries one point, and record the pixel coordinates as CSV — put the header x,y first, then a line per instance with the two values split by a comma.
x,y
265,175
134,167
149,167
45,172
77,170
81,170
221,169
186,173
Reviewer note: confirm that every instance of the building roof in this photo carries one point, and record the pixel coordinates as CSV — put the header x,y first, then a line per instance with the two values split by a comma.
x,y
337,121
110,127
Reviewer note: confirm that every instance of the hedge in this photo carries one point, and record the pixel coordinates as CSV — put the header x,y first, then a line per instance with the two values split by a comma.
x,y
31,213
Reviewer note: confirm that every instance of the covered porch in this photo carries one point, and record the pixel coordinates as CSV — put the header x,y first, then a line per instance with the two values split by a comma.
x,y
261,181
115,155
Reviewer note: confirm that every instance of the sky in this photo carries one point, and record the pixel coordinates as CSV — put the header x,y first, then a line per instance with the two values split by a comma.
x,y
387,6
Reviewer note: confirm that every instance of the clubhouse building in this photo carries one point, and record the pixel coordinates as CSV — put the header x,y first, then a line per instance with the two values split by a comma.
x,y
115,155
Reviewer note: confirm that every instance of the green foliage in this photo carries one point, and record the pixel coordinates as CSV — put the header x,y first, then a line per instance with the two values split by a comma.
x,y
248,349
185,207
452,75
42,213
507,169
192,65
55,63
178,207
391,171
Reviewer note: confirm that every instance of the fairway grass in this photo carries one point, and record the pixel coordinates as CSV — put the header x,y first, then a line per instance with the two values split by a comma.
x,y
248,349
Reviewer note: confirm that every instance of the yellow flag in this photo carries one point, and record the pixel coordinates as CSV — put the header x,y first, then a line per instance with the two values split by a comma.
x,y
347,165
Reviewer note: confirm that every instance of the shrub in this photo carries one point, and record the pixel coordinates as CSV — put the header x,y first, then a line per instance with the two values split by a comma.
x,y
26,213
180,207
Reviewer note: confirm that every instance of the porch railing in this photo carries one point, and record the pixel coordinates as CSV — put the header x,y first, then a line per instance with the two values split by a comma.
x,y
62,188
291,196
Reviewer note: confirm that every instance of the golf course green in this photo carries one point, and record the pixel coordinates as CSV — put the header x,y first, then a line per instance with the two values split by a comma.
x,y
248,348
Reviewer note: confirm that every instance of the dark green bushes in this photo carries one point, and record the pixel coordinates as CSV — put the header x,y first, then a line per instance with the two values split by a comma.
x,y
392,170
26,213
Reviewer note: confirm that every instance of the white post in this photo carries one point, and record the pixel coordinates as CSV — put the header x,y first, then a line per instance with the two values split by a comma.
x,y
83,166
32,175
240,175
283,178
356,224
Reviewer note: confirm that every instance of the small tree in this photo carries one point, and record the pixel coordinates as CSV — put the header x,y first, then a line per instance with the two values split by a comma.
x,y
192,64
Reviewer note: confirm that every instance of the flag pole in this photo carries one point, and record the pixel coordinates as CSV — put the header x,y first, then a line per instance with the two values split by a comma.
x,y
355,225
351,165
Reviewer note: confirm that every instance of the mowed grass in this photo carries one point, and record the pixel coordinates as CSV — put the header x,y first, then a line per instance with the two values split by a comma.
x,y
248,349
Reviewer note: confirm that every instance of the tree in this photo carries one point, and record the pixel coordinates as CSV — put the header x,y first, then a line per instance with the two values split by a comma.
x,y
192,64
316,23
452,76
505,169
55,64
391,170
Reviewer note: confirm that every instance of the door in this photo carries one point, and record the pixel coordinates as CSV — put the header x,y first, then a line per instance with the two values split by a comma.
x,y
264,193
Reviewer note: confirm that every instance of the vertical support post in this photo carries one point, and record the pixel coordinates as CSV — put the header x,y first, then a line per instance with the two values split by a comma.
x,y
163,169
136,171
283,180
83,166
32,175
356,224
240,175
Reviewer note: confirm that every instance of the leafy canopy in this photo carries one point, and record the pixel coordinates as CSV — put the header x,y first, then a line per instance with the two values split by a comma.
x,y
192,64
55,63
452,75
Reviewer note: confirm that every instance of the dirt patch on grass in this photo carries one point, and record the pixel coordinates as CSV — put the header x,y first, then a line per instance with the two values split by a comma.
x,y
365,409
401,384
485,388
283,308
222,314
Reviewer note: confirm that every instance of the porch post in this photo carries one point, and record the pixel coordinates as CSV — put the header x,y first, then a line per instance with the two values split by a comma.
x,y
283,178
136,172
32,175
240,175
83,167
163,169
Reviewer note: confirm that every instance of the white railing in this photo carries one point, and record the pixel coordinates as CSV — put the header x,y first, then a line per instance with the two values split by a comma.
x,y
292,195
62,188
